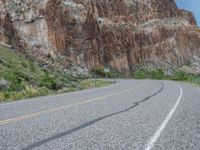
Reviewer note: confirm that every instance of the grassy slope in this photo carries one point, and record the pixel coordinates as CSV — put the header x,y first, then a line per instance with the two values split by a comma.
x,y
27,79
12,64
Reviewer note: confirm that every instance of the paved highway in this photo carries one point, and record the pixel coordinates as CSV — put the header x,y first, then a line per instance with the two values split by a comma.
x,y
129,115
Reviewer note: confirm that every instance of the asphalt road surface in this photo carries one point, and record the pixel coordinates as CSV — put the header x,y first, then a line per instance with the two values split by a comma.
x,y
128,115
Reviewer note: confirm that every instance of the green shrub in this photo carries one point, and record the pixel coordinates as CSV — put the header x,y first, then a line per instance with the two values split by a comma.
x,y
139,74
51,82
17,95
7,94
47,81
17,80
32,66
43,91
99,71
16,86
24,64
180,76
157,74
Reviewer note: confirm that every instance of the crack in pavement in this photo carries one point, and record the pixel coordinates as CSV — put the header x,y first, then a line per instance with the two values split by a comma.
x,y
92,122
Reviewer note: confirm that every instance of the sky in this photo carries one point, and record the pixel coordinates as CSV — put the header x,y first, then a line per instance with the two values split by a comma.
x,y
192,5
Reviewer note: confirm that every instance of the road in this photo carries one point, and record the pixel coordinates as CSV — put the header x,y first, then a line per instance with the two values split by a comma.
x,y
128,115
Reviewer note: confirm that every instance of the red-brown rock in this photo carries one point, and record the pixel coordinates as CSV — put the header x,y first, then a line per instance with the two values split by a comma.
x,y
124,34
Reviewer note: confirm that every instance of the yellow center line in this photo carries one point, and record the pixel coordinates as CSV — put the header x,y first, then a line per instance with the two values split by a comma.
x,y
32,115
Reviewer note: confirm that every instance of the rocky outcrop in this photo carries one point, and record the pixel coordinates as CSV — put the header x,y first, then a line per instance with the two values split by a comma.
x,y
188,16
123,34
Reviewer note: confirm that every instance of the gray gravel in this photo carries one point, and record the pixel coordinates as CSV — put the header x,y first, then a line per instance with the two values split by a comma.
x,y
125,122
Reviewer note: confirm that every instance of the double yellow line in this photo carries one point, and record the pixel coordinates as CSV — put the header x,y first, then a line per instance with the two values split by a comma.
x,y
51,110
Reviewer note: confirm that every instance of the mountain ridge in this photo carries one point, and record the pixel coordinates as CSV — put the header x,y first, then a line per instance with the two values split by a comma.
x,y
122,34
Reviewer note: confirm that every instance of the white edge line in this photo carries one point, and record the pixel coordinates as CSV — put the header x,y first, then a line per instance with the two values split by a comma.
x,y
157,134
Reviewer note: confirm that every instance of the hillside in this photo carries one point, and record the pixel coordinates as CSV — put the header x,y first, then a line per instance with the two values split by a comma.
x,y
22,78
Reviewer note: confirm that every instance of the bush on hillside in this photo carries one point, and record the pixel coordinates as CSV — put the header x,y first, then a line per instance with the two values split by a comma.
x,y
149,74
99,71
52,82
180,76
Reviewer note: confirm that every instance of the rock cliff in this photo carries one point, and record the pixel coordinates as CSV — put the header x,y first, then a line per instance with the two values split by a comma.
x,y
123,34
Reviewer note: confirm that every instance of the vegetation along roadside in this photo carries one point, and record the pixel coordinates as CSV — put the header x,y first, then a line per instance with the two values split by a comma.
x,y
21,78
160,74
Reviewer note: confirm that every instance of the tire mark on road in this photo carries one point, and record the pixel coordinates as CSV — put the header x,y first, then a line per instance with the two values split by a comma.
x,y
89,123
51,110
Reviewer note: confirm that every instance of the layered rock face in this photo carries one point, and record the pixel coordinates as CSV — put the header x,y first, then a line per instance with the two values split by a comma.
x,y
122,34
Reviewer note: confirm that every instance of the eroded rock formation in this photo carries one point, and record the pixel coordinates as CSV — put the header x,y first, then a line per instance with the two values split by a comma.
x,y
123,34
